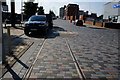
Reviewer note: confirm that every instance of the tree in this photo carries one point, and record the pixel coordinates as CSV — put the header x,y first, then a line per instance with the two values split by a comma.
x,y
101,17
40,10
30,9
52,13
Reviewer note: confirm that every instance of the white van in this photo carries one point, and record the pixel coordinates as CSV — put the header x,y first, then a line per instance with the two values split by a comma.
x,y
118,20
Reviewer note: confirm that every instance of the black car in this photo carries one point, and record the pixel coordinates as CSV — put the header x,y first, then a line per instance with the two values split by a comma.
x,y
79,23
37,23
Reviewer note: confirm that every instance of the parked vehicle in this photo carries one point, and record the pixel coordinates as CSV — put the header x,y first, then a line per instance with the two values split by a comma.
x,y
38,23
118,19
49,19
78,22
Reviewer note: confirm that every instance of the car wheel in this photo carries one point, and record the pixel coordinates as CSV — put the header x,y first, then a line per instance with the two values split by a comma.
x,y
26,32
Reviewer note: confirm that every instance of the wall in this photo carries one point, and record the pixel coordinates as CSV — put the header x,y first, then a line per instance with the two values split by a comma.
x,y
61,12
89,22
112,25
99,24
109,10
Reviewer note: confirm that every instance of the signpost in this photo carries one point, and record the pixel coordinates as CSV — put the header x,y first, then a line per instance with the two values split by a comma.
x,y
116,6
5,8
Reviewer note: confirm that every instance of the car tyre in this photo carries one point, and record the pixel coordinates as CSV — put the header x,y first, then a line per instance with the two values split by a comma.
x,y
26,32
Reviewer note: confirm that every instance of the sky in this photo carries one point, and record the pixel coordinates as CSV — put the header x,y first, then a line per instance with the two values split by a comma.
x,y
93,6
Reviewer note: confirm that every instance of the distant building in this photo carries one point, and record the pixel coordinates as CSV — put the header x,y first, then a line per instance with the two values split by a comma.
x,y
71,10
111,11
81,12
4,6
4,3
61,12
30,0
93,15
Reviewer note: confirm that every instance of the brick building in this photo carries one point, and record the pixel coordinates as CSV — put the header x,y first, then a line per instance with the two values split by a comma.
x,y
71,10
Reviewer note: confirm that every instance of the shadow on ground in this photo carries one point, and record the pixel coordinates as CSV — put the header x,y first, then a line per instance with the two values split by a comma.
x,y
96,28
11,71
16,27
18,47
52,33
11,42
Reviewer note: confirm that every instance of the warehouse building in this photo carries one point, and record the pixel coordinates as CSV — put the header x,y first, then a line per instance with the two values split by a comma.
x,y
61,12
71,10
112,11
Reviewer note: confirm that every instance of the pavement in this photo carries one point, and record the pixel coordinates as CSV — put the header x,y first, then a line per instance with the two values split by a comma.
x,y
70,52
18,46
97,51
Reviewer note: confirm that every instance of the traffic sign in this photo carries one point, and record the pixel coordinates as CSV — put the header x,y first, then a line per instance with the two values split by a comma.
x,y
117,5
5,8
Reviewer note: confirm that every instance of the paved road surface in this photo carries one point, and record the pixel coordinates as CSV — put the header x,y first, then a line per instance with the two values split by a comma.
x,y
70,51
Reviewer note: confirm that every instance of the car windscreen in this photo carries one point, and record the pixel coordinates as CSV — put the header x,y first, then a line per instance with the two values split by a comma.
x,y
37,18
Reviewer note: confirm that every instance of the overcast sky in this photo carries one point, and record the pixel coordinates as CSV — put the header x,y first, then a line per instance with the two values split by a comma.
x,y
94,6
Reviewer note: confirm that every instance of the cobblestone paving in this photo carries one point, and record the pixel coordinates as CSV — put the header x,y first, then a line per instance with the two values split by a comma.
x,y
15,33
31,59
97,61
54,61
96,51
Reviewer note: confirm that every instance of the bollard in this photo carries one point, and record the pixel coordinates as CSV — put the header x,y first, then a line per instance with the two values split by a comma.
x,y
70,21
9,40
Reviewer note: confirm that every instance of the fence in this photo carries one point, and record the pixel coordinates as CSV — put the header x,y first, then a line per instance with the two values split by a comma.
x,y
96,23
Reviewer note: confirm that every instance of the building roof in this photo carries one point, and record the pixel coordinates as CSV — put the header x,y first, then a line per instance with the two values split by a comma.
x,y
107,3
72,5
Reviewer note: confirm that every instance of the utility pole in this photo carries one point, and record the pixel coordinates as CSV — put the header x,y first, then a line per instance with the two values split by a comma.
x,y
1,32
13,13
3,7
21,11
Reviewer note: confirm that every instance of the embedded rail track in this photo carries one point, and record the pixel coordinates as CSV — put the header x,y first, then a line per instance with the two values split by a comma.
x,y
78,68
81,75
28,72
